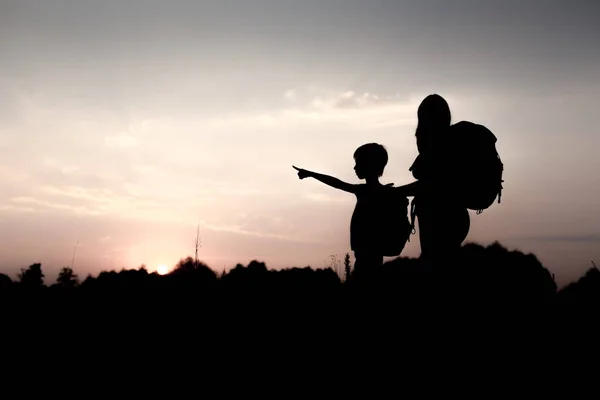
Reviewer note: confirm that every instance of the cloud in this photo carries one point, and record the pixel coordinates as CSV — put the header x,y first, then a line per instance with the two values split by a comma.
x,y
230,154
121,141
323,198
37,204
12,175
320,108
53,163
590,238
260,232
94,202
289,94
15,208
230,170
352,100
147,169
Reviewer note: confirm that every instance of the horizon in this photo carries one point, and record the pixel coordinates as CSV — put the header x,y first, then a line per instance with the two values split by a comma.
x,y
125,139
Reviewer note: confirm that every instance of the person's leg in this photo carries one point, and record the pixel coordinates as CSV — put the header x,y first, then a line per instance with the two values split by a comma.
x,y
356,278
463,225
457,225
426,237
441,233
359,263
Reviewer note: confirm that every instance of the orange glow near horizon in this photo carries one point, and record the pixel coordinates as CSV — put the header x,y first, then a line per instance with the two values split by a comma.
x,y
162,269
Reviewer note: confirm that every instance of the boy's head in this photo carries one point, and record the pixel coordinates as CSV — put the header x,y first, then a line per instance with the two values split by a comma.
x,y
371,159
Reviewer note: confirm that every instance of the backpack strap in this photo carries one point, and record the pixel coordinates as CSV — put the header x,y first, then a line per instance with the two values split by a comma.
x,y
412,218
499,196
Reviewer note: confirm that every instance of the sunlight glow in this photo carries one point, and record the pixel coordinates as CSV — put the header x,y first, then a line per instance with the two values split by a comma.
x,y
162,269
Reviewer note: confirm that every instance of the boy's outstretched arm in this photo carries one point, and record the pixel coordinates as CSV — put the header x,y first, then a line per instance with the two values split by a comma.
x,y
326,179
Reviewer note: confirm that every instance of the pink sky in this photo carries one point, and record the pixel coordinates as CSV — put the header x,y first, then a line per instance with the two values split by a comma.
x,y
125,139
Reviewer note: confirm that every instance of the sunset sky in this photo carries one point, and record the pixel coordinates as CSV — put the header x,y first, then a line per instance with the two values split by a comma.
x,y
124,124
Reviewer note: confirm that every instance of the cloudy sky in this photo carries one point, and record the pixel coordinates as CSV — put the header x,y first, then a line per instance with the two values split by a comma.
x,y
124,124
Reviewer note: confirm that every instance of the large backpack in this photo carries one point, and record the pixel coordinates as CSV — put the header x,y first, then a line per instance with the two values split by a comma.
x,y
477,165
396,227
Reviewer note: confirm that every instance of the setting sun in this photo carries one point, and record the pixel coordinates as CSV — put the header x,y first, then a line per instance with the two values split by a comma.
x,y
162,270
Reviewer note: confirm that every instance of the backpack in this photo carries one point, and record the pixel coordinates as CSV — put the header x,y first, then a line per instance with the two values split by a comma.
x,y
477,164
396,227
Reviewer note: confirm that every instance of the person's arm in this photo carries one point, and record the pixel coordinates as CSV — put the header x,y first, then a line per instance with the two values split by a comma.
x,y
328,180
409,190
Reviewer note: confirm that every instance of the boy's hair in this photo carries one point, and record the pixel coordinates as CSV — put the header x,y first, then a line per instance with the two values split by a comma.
x,y
374,155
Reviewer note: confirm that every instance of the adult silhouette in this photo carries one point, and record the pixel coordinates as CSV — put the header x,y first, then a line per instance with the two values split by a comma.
x,y
443,222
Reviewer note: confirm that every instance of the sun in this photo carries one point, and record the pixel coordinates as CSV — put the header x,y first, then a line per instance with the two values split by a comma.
x,y
162,269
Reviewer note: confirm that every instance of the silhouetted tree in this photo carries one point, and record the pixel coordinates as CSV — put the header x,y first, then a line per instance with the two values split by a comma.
x,y
32,277
5,282
189,264
335,265
190,273
583,292
481,281
347,266
67,278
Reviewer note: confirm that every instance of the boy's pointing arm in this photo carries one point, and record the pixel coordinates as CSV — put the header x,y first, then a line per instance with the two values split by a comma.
x,y
328,180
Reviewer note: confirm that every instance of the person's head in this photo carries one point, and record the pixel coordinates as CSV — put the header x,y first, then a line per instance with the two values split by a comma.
x,y
371,159
433,118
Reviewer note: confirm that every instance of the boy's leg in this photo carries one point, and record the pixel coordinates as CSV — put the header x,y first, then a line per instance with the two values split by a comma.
x,y
359,264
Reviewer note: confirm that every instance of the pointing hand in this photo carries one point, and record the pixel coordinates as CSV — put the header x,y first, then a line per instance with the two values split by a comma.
x,y
302,173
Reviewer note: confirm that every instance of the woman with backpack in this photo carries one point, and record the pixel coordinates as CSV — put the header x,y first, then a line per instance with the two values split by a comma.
x,y
443,221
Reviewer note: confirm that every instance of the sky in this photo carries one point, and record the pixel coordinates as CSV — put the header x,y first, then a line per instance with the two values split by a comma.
x,y
125,125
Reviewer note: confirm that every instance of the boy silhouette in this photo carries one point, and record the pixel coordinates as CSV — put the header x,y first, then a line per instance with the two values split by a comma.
x,y
366,224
